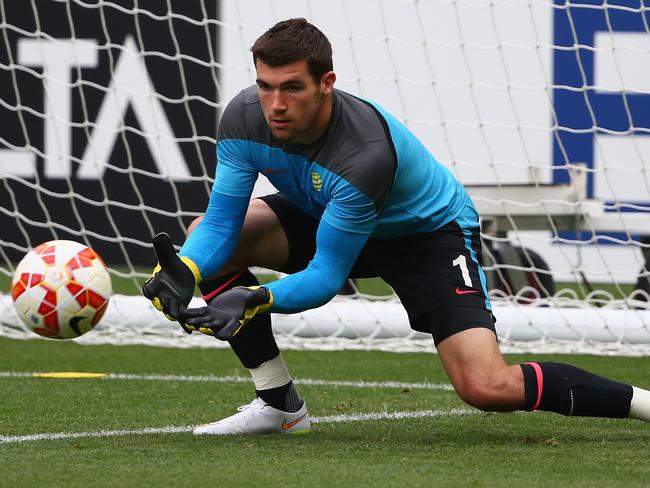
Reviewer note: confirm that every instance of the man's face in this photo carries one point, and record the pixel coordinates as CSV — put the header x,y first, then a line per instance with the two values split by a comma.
x,y
295,106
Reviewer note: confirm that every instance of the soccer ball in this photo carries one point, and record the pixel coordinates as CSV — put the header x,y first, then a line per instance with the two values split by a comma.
x,y
61,289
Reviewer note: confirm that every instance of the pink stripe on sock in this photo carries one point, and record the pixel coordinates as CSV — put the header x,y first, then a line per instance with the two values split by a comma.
x,y
214,293
540,383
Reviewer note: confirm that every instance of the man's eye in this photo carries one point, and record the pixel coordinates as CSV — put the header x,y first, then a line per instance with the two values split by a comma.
x,y
264,87
293,88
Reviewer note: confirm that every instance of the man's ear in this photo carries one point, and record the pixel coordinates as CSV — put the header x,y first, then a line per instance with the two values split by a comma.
x,y
327,82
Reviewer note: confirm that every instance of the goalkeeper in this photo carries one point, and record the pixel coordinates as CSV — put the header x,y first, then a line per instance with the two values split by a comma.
x,y
359,196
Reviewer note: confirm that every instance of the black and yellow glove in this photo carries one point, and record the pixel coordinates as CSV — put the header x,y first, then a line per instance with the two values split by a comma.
x,y
228,312
171,286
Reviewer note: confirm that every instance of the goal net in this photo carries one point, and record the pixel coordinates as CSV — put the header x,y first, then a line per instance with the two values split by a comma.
x,y
109,111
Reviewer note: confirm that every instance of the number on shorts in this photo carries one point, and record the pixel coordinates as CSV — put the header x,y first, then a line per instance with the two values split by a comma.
x,y
462,262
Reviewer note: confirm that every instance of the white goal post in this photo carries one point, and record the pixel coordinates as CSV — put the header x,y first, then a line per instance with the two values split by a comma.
x,y
541,108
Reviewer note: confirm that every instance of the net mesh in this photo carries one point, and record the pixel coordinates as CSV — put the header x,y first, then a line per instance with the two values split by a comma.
x,y
542,108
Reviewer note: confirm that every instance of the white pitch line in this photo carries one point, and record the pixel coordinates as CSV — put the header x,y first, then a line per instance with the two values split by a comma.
x,y
14,439
418,414
244,379
343,418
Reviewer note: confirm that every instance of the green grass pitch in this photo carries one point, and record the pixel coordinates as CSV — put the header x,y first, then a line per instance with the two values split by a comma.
x,y
466,449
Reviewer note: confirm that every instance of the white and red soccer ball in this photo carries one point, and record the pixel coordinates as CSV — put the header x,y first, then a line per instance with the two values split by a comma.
x,y
61,289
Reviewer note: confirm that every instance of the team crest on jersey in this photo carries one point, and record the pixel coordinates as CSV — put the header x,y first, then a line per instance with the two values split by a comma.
x,y
316,181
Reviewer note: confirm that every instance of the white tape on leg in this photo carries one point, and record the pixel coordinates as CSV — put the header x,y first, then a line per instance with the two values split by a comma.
x,y
271,374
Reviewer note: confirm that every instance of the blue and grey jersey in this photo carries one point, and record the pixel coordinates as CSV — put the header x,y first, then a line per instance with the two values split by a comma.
x,y
367,176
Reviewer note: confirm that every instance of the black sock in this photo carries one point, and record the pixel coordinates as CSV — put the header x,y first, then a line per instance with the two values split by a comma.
x,y
283,398
254,344
567,390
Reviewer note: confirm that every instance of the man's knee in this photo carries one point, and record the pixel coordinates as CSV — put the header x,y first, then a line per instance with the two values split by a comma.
x,y
482,393
493,391
262,240
479,373
258,215
193,225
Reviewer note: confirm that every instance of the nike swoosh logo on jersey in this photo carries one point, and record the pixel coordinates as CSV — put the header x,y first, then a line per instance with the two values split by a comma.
x,y
465,292
272,171
287,425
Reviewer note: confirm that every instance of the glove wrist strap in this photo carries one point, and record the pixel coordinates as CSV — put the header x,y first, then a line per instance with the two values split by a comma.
x,y
193,268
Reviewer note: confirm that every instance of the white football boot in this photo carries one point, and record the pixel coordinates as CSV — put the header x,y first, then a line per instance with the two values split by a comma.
x,y
259,418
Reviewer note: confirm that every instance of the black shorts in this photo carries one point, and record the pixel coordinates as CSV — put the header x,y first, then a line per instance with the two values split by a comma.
x,y
436,275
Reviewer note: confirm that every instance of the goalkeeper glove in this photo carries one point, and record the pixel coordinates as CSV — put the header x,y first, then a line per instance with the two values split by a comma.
x,y
229,312
171,286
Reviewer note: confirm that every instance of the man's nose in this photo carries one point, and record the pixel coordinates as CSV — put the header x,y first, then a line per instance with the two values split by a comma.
x,y
277,103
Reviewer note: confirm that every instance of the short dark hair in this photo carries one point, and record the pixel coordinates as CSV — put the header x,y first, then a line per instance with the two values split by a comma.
x,y
292,40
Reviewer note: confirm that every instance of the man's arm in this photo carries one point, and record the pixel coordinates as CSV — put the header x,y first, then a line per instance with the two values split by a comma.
x,y
336,252
350,217
214,241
